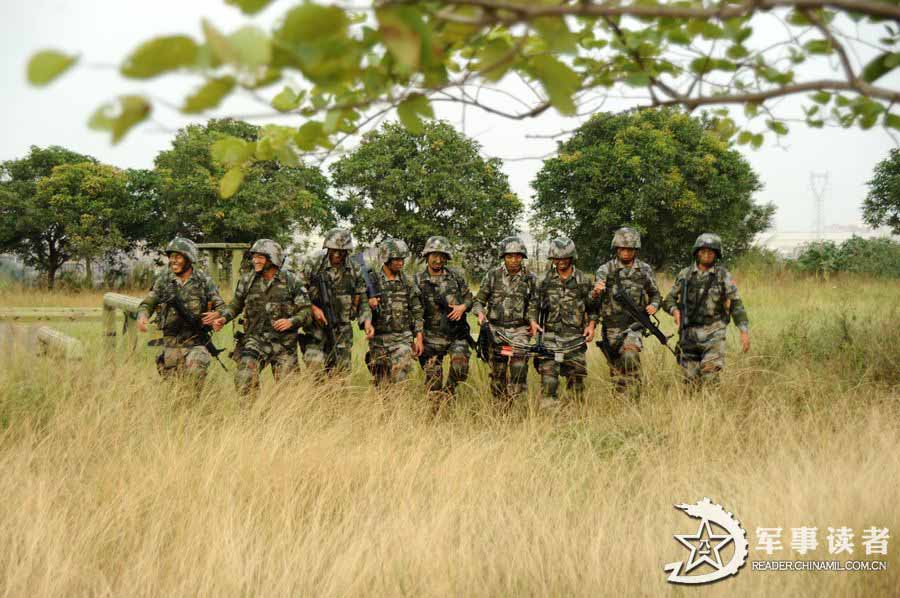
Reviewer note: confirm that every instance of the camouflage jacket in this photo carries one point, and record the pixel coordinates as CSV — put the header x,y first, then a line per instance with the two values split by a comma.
x,y
569,302
198,294
506,298
638,282
438,294
400,308
263,302
346,283
712,297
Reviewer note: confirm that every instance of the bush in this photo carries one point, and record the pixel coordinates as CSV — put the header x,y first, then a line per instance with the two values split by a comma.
x,y
878,257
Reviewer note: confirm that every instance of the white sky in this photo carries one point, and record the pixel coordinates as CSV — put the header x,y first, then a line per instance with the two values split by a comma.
x,y
105,31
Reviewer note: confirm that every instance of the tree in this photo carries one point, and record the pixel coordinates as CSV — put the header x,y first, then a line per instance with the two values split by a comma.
x,y
407,54
434,183
29,225
661,171
274,200
882,205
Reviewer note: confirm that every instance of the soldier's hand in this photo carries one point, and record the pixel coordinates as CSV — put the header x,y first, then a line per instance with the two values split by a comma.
x,y
282,325
374,302
677,315
370,330
481,319
142,323
589,332
319,315
217,324
457,312
745,341
598,288
534,328
418,345
651,310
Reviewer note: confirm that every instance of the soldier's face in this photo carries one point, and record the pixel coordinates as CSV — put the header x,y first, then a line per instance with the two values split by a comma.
x,y
562,264
436,261
259,262
178,263
395,265
513,262
706,256
626,254
336,257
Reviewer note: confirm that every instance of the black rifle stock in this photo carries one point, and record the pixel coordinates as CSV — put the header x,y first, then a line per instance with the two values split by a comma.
x,y
203,332
325,302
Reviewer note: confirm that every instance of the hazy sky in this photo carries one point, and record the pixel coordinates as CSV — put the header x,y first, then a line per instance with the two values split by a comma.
x,y
104,31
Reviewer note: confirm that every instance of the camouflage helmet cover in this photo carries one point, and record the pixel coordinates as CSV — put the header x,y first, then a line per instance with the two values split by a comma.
x,y
185,247
626,237
561,248
270,249
394,249
437,244
338,238
709,241
513,245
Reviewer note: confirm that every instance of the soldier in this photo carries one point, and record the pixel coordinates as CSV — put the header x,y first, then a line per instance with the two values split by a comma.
x,y
504,302
395,336
702,301
328,345
183,294
564,294
621,340
275,304
445,298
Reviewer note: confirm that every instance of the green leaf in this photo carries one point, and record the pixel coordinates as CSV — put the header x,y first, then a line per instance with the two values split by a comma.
x,y
818,46
231,182
744,137
121,116
879,67
737,52
637,79
231,151
160,55
410,110
559,81
209,96
252,46
494,59
892,120
249,7
315,39
779,127
399,28
821,97
556,34
756,141
287,100
310,135
751,109
220,45
47,65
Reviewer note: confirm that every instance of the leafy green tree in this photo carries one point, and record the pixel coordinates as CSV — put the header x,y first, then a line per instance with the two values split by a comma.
x,y
882,205
413,186
661,171
274,200
29,224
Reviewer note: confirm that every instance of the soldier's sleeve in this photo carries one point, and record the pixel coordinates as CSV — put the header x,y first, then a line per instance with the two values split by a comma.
x,y
153,298
591,305
484,294
738,311
233,309
303,316
465,293
416,309
673,299
212,292
653,294
535,301
365,312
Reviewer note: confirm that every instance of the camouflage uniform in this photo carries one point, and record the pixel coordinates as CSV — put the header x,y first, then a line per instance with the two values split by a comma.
x,y
263,302
442,336
348,290
639,282
396,321
506,301
184,350
570,308
712,300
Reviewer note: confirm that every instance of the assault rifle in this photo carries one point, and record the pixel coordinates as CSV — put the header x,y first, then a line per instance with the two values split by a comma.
x,y
203,333
644,322
372,289
456,330
325,301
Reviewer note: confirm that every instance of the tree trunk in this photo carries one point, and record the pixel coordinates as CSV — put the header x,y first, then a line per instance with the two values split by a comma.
x,y
88,273
51,276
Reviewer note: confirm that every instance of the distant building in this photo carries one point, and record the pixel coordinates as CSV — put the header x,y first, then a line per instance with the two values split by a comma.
x,y
789,244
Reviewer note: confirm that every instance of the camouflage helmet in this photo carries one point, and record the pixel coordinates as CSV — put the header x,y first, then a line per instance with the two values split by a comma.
x,y
626,237
709,241
394,249
338,238
437,245
513,245
561,248
270,249
185,247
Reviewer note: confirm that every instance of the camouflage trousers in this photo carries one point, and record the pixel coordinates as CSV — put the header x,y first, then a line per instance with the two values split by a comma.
x,y
509,368
390,357
625,369
432,362
572,365
319,354
255,355
192,361
703,353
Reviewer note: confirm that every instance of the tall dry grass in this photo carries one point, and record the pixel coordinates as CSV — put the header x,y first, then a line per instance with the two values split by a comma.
x,y
117,484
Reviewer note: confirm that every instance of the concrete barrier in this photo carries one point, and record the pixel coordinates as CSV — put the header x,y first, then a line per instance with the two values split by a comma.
x,y
113,302
50,340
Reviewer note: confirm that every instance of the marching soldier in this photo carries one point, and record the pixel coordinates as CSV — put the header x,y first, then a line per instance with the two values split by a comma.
x,y
622,341
184,294
503,303
445,298
394,328
570,317
275,304
703,300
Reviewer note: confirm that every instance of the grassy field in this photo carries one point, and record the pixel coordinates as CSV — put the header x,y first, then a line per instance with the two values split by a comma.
x,y
115,483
